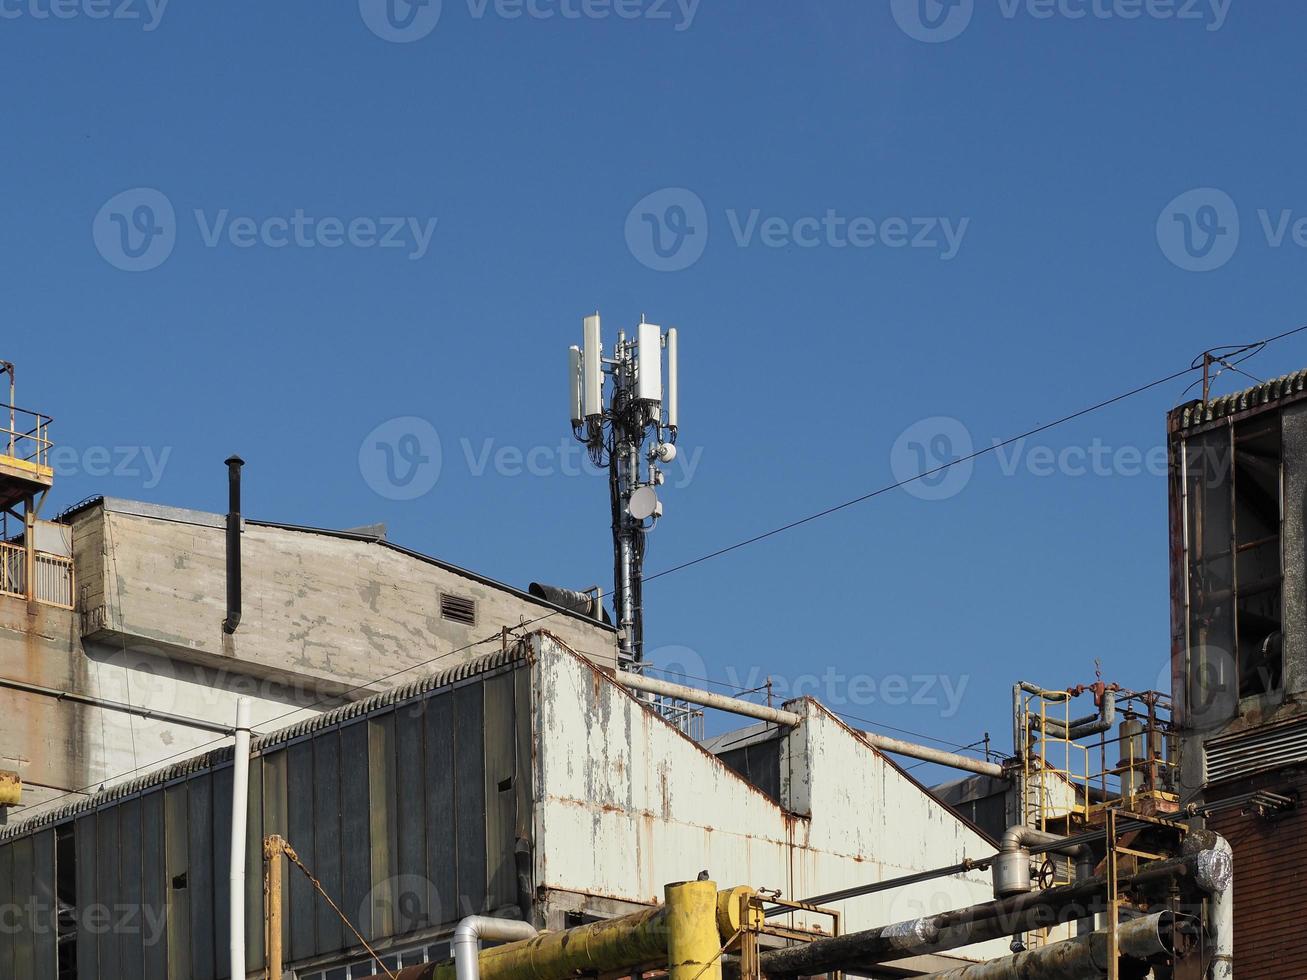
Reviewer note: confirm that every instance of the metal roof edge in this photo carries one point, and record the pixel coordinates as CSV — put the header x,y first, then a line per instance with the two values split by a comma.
x,y
1195,414
499,660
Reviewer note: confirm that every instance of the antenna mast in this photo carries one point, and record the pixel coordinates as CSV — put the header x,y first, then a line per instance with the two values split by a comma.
x,y
637,424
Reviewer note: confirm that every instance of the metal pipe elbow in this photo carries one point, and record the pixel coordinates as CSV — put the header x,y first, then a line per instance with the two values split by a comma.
x,y
468,934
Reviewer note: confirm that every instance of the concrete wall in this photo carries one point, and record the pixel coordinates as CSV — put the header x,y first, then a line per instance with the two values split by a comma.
x,y
625,803
324,616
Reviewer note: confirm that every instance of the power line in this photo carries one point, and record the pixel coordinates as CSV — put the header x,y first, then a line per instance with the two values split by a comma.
x,y
1256,348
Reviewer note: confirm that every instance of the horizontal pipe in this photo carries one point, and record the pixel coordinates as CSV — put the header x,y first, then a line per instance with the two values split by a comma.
x,y
693,695
779,716
466,943
872,888
1086,956
963,927
130,709
897,746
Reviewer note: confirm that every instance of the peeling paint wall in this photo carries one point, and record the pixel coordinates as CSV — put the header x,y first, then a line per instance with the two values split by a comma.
x,y
625,803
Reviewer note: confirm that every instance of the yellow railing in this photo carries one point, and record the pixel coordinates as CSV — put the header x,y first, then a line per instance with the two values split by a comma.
x,y
54,575
25,435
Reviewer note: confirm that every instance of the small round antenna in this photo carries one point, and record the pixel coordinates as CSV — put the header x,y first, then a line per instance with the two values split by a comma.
x,y
644,503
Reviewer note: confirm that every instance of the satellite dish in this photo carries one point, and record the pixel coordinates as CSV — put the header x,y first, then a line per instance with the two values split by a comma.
x,y
644,503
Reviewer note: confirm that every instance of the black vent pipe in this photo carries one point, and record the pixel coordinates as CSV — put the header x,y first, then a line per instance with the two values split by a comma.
x,y
234,464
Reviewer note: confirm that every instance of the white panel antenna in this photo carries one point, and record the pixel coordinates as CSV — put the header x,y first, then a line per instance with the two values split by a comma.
x,y
593,369
574,377
673,380
649,363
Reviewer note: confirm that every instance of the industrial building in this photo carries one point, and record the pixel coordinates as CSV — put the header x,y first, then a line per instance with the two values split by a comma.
x,y
440,760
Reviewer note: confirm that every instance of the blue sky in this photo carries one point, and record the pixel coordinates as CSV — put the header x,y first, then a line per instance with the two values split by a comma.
x,y
870,216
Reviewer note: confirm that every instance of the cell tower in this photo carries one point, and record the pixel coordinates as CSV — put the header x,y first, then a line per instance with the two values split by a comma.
x,y
637,424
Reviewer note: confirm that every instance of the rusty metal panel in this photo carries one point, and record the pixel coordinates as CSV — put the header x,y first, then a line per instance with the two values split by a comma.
x,y
7,903
326,856
470,796
154,886
200,876
442,873
299,805
275,822
500,794
176,829
107,879
254,938
411,898
356,863
84,840
129,916
24,945
381,826
220,851
45,907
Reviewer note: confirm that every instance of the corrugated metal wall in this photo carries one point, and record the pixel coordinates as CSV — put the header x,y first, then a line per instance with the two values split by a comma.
x,y
408,814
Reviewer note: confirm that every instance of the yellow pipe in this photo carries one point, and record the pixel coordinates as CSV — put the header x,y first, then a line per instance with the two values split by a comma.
x,y
693,940
642,939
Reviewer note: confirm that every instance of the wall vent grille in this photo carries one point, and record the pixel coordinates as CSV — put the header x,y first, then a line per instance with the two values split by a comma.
x,y
458,609
1256,751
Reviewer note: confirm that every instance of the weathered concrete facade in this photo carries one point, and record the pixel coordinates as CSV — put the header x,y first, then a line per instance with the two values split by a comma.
x,y
109,688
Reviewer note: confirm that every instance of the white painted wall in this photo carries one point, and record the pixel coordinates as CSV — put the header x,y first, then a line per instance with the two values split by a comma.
x,y
625,804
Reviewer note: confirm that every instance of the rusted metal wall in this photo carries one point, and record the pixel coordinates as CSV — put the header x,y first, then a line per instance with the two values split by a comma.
x,y
625,803
406,807
1270,879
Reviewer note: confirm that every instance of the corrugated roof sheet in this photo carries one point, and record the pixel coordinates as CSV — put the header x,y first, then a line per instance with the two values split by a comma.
x,y
271,741
1195,413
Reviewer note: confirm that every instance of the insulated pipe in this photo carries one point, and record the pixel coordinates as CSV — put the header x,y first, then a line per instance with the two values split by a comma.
x,y
640,682
974,924
779,716
469,933
939,756
240,784
234,464
693,943
1076,959
1101,721
1216,874
611,946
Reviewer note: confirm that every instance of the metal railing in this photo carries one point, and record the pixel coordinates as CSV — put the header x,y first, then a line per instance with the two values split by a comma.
x,y
24,435
54,575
